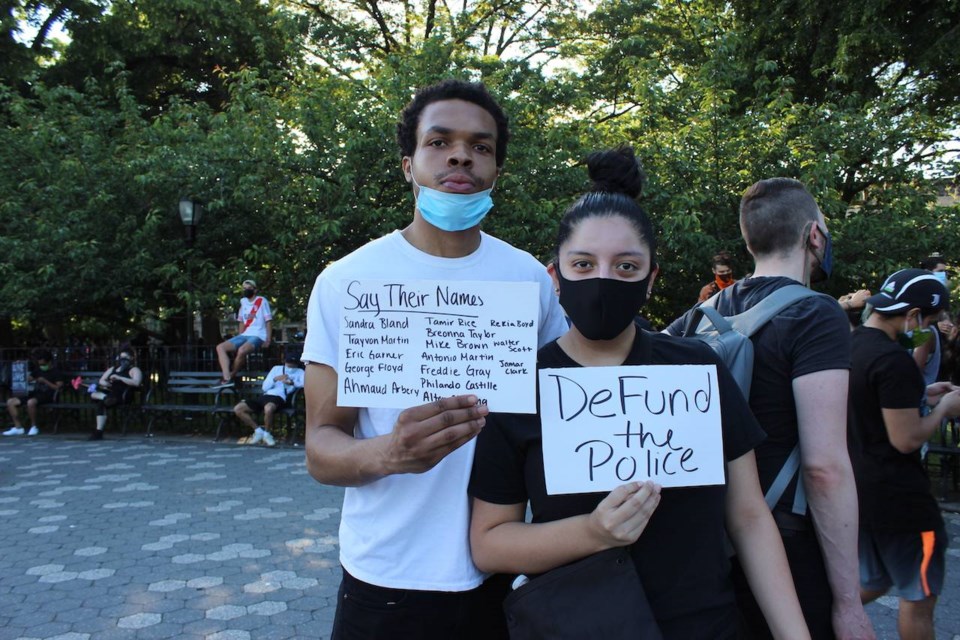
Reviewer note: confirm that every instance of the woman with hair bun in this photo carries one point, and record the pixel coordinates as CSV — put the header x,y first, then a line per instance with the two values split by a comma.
x,y
604,271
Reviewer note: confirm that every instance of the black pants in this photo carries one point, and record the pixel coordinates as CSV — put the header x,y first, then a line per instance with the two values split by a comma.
x,y
369,612
118,394
810,580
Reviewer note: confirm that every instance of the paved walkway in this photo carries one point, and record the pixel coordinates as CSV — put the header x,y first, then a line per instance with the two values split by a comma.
x,y
137,538
184,538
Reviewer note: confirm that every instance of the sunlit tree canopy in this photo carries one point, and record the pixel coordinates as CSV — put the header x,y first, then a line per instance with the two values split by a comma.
x,y
280,117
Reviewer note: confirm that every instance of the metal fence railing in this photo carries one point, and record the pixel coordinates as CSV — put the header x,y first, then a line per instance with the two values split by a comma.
x,y
155,361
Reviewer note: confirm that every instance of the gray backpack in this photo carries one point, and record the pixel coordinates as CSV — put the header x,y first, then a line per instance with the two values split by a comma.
x,y
729,337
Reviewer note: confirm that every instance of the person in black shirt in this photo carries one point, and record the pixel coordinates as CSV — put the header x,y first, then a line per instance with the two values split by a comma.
x,y
902,535
117,386
798,394
605,270
46,379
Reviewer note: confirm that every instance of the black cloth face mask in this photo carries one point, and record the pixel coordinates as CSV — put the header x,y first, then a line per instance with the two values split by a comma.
x,y
601,308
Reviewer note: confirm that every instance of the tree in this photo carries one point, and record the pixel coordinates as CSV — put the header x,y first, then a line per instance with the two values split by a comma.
x,y
280,116
711,111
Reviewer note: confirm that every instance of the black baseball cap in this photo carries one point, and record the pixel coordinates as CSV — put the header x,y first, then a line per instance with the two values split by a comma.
x,y
910,289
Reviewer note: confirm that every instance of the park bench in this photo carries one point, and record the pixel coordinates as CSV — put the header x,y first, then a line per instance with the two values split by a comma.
x,y
73,398
185,394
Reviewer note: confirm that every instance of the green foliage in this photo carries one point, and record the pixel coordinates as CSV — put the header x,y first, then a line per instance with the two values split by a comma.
x,y
280,117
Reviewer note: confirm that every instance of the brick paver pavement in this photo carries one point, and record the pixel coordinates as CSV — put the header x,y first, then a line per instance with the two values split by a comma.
x,y
137,538
183,538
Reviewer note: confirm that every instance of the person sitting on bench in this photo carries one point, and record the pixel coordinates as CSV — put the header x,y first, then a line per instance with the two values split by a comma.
x,y
277,385
116,386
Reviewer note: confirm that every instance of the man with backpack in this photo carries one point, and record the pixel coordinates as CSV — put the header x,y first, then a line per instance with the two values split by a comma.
x,y
798,393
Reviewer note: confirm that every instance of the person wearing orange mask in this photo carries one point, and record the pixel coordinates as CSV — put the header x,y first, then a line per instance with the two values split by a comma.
x,y
722,275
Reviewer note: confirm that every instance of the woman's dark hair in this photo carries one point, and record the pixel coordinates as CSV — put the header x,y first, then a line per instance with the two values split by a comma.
x,y
473,92
617,182
930,263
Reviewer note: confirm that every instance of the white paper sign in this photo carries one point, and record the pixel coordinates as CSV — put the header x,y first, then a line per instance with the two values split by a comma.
x,y
19,373
606,426
407,343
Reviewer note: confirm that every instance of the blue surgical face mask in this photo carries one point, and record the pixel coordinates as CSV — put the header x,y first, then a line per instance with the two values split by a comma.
x,y
941,276
453,211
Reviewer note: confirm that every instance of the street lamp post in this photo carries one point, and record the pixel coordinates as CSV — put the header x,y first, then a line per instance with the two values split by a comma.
x,y
190,214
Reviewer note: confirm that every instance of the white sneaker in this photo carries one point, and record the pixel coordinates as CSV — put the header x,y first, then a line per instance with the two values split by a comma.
x,y
33,431
14,431
268,439
257,436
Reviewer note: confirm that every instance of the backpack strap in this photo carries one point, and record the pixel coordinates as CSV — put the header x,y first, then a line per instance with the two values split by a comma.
x,y
790,468
750,321
715,318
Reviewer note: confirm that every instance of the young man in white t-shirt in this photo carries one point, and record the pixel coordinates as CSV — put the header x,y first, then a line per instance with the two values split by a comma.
x,y
278,385
407,570
254,329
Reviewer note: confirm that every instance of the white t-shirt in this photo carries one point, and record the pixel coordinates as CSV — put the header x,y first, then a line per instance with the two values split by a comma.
x,y
280,389
258,327
410,531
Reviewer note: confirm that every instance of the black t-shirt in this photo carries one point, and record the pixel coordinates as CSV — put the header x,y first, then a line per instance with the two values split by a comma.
x,y
893,487
680,556
52,375
810,335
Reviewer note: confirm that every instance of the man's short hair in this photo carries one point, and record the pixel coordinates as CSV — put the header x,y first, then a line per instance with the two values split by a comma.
x,y
722,259
774,214
473,92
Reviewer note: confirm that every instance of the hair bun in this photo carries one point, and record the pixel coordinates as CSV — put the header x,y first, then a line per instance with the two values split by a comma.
x,y
616,171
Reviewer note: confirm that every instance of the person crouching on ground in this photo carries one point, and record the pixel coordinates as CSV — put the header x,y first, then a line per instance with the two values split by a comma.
x,y
278,384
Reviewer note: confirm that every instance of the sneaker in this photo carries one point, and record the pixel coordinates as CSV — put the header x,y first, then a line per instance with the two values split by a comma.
x,y
257,436
96,435
33,431
223,384
268,439
14,431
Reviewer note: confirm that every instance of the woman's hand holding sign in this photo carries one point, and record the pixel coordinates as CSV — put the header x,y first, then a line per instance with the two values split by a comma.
x,y
424,435
622,516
